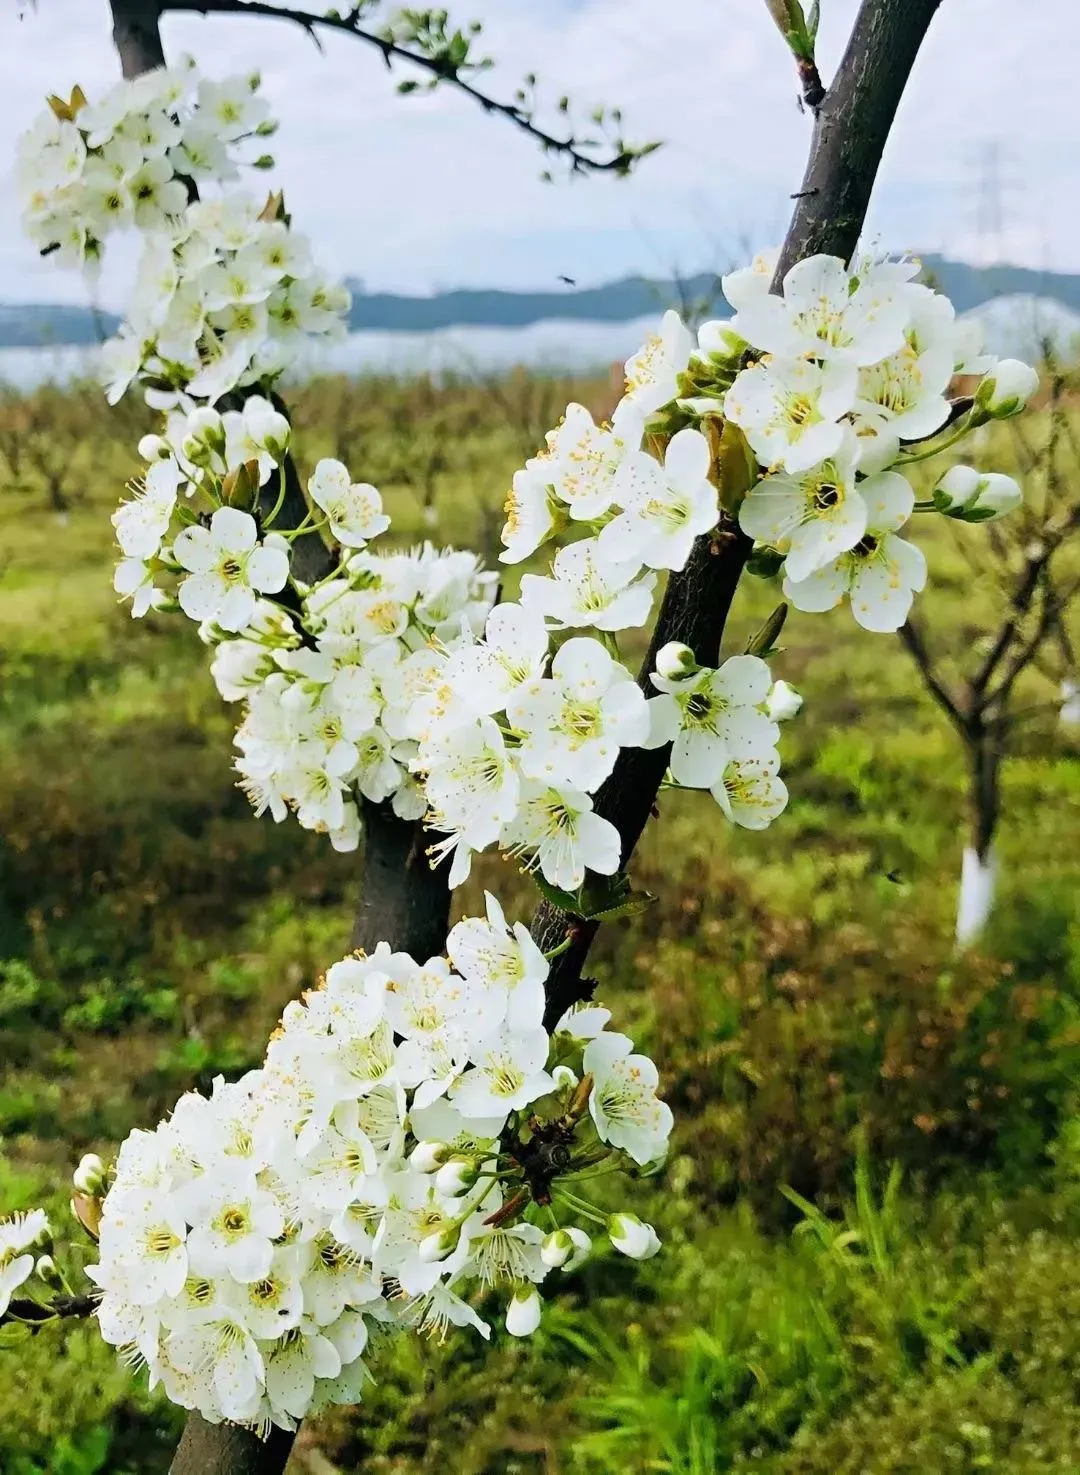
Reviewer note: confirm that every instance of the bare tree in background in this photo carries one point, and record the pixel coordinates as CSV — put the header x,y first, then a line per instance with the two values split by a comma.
x,y
992,679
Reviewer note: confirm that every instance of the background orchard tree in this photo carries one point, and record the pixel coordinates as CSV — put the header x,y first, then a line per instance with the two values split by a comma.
x,y
501,726
993,678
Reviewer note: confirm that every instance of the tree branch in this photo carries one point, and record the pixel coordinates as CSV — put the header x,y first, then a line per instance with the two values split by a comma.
x,y
852,126
441,67
407,904
851,129
137,36
912,638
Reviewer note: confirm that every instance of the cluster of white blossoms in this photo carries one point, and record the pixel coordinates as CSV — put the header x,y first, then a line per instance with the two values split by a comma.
x,y
328,673
326,721
850,367
412,1143
225,292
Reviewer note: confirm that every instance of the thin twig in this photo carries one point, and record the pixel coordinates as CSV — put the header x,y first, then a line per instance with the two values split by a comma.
x,y
619,162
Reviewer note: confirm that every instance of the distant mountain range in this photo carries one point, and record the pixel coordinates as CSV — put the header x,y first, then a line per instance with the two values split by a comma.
x,y
37,325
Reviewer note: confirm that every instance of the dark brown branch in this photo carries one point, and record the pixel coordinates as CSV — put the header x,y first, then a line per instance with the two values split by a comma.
x,y
442,69
38,1313
137,35
852,126
849,137
912,638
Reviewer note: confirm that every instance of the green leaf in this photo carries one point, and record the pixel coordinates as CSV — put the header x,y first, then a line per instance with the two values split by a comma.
x,y
813,19
636,903
566,901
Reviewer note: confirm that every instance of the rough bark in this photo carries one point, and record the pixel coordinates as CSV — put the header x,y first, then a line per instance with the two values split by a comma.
x,y
226,1449
852,128
403,900
137,35
984,758
850,131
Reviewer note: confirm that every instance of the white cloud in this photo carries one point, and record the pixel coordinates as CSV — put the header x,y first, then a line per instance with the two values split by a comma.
x,y
418,192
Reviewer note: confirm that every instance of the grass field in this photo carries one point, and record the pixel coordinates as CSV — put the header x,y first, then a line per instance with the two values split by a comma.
x,y
917,1312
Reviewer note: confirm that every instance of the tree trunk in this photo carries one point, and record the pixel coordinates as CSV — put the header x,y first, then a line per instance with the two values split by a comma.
x,y
850,132
852,128
137,35
978,877
407,904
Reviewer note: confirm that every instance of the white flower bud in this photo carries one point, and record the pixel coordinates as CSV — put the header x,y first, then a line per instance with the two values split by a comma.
x,y
267,427
523,1313
89,1176
1006,389
428,1156
675,662
1069,712
974,496
633,1238
204,425
437,1245
582,1248
456,1176
46,1270
556,1249
717,340
565,1079
783,702
154,448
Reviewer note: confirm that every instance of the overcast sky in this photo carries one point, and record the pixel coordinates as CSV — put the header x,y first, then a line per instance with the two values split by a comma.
x,y
419,193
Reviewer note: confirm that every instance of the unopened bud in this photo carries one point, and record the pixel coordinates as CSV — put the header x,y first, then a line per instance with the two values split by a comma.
x,y
154,448
1005,390
264,161
46,1270
974,496
556,1249
267,128
565,1079
633,1238
205,424
438,1245
456,1176
428,1156
523,1313
675,661
89,1176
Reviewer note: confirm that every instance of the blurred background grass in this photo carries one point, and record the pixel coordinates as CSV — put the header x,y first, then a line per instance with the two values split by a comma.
x,y
870,1214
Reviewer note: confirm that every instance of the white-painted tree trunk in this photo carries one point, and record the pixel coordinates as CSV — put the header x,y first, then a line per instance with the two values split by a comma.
x,y
1069,712
978,884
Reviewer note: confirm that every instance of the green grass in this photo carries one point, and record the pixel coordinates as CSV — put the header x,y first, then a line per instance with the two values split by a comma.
x,y
816,1032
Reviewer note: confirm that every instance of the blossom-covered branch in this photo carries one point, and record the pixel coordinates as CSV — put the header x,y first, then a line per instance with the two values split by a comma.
x,y
420,1132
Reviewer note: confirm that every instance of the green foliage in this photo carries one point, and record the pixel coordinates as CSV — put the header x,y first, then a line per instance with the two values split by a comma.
x,y
911,1304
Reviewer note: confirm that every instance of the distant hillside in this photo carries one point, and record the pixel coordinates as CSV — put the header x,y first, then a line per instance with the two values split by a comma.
x,y
636,297
52,325
40,325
